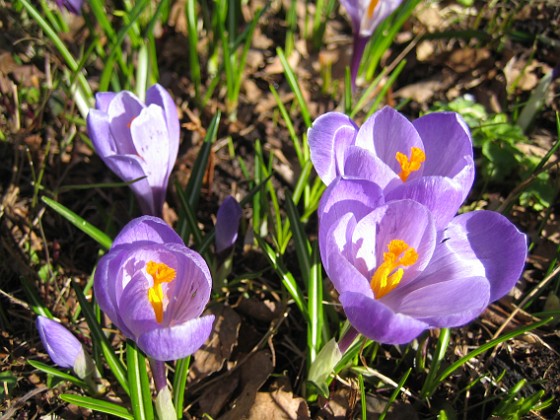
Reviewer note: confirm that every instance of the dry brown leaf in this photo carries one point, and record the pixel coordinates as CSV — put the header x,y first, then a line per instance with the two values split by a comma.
x,y
216,396
214,353
278,405
253,374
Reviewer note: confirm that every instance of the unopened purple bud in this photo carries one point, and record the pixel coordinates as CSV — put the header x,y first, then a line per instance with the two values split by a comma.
x,y
61,345
73,6
227,224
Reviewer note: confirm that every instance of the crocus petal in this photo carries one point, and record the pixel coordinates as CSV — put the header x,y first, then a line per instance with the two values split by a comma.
x,y
227,224
342,196
102,101
383,9
353,9
329,136
338,261
98,126
377,322
443,303
149,229
61,345
493,240
449,154
105,286
128,168
135,308
178,341
123,109
387,132
193,285
442,196
157,95
361,163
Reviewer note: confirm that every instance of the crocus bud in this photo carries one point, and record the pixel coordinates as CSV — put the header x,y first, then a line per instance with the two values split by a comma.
x,y
73,6
63,348
227,224
137,141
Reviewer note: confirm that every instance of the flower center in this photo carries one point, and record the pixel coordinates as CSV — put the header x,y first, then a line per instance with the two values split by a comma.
x,y
371,8
161,273
412,164
389,274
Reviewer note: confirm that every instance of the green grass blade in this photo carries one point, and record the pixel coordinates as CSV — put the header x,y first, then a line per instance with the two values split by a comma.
x,y
138,383
438,357
386,87
485,347
33,298
199,168
289,126
194,63
303,248
314,305
285,276
100,237
98,405
57,373
395,394
179,384
292,81
98,336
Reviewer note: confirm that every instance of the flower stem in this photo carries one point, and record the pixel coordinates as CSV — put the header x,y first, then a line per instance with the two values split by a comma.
x,y
347,339
358,51
159,373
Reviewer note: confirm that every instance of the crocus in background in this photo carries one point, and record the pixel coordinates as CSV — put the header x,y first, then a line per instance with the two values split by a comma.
x,y
137,140
73,6
429,160
398,275
227,224
154,289
66,351
366,15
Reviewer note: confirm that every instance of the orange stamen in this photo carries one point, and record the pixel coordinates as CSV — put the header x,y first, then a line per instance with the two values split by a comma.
x,y
371,8
417,157
389,274
161,273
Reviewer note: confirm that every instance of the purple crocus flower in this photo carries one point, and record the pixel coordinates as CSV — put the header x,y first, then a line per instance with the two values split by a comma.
x,y
398,275
137,140
366,15
73,6
227,224
62,346
154,289
429,160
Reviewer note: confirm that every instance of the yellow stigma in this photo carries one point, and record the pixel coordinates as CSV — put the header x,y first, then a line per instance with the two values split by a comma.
x,y
389,274
161,273
417,157
371,8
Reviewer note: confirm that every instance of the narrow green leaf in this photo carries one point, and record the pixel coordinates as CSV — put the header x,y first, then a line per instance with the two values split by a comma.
x,y
438,357
97,405
199,168
285,276
179,384
292,81
57,373
395,394
138,383
102,239
303,248
485,347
